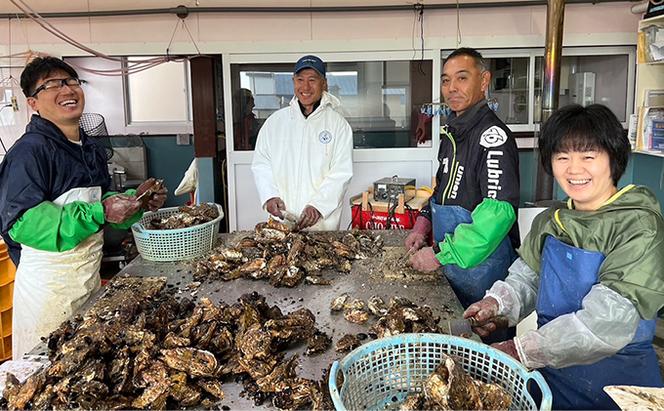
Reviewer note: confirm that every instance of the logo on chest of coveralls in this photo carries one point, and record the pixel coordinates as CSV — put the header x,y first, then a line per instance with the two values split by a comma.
x,y
325,137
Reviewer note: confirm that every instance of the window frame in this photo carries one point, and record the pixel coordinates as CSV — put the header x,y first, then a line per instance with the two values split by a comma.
x,y
533,53
157,127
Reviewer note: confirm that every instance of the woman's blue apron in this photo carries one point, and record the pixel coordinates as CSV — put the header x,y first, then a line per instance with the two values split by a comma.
x,y
470,284
567,275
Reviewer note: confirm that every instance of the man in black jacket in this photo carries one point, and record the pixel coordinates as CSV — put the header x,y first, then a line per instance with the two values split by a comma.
x,y
473,209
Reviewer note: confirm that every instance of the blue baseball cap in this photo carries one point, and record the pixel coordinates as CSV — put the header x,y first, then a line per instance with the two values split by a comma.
x,y
311,62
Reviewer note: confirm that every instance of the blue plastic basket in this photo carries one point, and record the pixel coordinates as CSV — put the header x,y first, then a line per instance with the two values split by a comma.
x,y
178,244
380,375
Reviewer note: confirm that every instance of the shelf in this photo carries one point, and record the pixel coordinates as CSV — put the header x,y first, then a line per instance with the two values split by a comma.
x,y
652,20
650,153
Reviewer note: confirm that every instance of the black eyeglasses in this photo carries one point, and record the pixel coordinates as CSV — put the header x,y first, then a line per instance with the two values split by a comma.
x,y
58,83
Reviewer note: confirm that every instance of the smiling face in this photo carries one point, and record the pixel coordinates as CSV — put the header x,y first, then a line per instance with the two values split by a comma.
x,y
309,86
463,83
585,176
62,106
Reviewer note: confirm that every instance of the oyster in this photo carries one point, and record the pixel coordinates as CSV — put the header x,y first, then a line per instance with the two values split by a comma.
x,y
338,303
256,342
299,324
194,362
317,343
413,402
347,343
449,387
493,396
310,279
377,306
356,316
356,304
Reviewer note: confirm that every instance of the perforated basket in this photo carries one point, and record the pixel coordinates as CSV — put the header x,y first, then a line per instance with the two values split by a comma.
x,y
178,244
380,375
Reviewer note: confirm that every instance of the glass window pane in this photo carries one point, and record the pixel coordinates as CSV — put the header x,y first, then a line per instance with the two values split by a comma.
x,y
587,80
150,101
379,99
509,87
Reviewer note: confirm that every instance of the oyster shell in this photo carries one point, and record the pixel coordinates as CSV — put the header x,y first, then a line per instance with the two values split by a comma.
x,y
377,306
356,316
338,303
317,343
199,363
347,343
449,387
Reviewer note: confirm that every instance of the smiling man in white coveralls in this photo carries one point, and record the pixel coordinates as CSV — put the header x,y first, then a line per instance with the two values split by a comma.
x,y
303,158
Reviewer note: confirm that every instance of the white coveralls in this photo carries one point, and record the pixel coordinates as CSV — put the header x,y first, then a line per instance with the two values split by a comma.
x,y
305,161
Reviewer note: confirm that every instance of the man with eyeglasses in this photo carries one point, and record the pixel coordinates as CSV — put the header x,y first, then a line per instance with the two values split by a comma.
x,y
54,201
473,209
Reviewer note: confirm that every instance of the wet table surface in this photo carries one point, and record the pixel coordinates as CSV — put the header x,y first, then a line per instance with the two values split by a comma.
x,y
367,278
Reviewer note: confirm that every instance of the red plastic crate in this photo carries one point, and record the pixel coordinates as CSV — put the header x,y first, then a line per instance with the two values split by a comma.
x,y
378,220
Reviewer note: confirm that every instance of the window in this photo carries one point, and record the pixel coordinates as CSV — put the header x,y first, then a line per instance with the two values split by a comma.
x,y
587,80
379,99
159,95
509,87
588,75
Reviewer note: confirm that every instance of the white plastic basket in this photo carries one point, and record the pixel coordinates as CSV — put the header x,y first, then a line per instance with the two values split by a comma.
x,y
379,375
178,244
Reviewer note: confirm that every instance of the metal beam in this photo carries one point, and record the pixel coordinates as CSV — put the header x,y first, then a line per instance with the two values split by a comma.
x,y
183,10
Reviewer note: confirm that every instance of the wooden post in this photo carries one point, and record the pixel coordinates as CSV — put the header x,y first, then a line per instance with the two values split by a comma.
x,y
365,201
401,203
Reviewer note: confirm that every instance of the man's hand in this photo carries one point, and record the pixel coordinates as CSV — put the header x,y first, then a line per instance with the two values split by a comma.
x,y
508,347
425,260
275,206
309,217
418,234
118,208
155,194
482,312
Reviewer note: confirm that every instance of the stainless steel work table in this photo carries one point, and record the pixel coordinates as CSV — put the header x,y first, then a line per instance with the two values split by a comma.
x,y
365,280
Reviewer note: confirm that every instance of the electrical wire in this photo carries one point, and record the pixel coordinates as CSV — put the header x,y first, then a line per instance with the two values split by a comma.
x,y
458,16
127,69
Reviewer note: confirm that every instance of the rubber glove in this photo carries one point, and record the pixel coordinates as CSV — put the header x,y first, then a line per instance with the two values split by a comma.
x,y
482,312
425,260
418,234
309,217
274,206
508,347
119,208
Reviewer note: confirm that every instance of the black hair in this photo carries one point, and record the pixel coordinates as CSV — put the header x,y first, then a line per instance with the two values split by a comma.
x,y
470,52
41,67
578,128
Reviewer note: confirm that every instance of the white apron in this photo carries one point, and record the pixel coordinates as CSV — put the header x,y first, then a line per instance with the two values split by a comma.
x,y
50,286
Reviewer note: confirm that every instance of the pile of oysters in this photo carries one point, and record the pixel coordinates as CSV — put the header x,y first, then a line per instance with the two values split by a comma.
x,y
283,257
139,347
450,388
187,216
